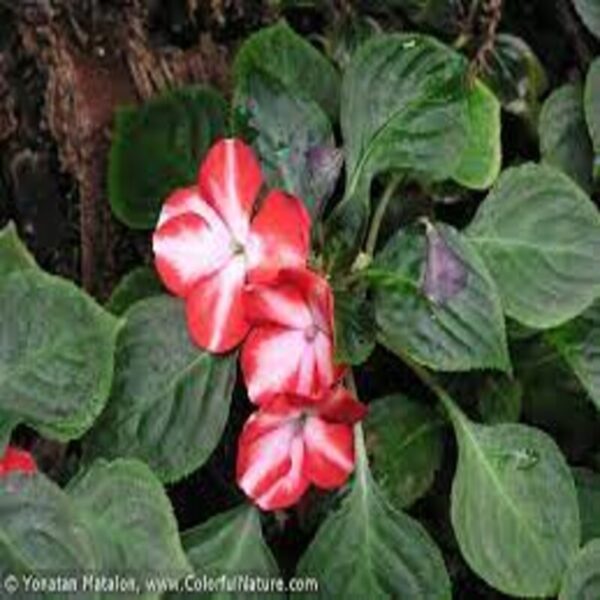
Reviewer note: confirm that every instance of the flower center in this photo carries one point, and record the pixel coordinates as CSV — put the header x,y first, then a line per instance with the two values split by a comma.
x,y
310,333
300,422
237,247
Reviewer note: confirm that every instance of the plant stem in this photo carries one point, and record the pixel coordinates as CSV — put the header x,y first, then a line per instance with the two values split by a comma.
x,y
350,382
472,14
360,451
379,214
574,31
468,25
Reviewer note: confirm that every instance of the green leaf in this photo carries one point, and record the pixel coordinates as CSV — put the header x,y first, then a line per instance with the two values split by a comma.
x,y
14,255
368,549
589,11
514,507
499,399
480,163
553,398
588,492
293,138
116,518
157,148
230,544
56,354
347,34
404,108
7,423
138,284
591,105
344,230
131,519
287,57
43,528
355,331
12,565
435,301
539,235
515,75
404,442
578,342
170,400
582,581
564,139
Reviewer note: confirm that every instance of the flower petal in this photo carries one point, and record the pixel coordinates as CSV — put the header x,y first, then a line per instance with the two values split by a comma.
x,y
279,236
271,358
326,371
306,287
337,406
229,180
277,305
289,489
341,406
15,460
185,200
316,292
186,248
215,312
270,461
329,449
276,360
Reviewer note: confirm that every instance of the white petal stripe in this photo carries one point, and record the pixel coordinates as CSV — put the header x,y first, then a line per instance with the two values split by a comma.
x,y
315,436
269,450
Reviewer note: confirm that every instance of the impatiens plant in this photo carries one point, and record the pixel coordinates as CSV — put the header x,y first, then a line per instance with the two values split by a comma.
x,y
293,442
363,335
235,273
207,249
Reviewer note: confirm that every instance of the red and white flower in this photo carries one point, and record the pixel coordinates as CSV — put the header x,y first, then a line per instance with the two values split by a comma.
x,y
245,276
294,442
15,460
290,347
207,245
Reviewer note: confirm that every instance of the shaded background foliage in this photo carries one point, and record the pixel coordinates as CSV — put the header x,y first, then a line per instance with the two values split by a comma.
x,y
65,67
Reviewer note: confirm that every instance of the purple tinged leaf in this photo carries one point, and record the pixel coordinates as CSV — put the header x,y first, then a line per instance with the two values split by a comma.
x,y
445,272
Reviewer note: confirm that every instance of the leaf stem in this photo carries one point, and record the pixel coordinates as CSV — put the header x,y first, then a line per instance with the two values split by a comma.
x,y
574,31
360,450
379,214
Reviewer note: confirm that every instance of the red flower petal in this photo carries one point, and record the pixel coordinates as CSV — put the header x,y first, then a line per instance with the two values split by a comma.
x,y
229,180
329,449
215,312
277,305
290,349
270,461
186,249
289,489
276,360
341,406
180,202
316,292
301,286
15,460
279,236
